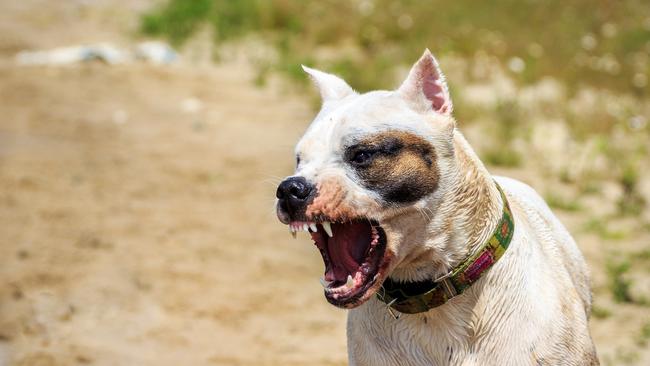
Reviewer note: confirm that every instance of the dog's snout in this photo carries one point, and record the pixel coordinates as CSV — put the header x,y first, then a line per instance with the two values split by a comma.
x,y
293,194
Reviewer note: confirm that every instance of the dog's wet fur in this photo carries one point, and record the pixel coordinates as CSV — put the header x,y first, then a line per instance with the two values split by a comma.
x,y
394,162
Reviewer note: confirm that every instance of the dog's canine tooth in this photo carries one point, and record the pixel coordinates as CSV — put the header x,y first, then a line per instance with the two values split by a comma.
x,y
350,282
305,227
328,228
325,283
313,227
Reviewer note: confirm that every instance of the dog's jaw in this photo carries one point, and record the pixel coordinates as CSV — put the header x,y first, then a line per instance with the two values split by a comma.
x,y
367,275
355,256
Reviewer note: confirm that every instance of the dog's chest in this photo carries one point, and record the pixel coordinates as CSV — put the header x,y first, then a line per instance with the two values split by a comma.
x,y
376,338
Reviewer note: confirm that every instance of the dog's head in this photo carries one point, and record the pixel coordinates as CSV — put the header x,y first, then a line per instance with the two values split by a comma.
x,y
370,173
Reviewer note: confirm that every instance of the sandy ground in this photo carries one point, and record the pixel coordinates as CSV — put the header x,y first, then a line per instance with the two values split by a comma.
x,y
136,210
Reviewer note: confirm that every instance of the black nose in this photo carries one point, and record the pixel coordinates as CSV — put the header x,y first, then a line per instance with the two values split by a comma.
x,y
294,188
294,193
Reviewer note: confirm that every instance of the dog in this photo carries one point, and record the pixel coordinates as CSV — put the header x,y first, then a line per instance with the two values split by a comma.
x,y
438,262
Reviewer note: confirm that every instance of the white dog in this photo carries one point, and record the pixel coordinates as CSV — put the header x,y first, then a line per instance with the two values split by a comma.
x,y
439,262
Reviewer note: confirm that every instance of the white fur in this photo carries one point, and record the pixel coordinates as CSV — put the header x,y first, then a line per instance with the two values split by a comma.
x,y
530,308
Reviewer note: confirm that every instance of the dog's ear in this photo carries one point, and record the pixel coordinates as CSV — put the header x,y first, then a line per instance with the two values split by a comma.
x,y
426,87
331,86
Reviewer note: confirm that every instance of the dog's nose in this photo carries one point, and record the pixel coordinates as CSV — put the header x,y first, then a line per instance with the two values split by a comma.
x,y
294,188
293,193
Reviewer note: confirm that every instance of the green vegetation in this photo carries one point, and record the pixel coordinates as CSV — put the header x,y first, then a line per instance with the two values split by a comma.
x,y
601,228
600,312
642,255
502,156
619,270
644,335
176,20
619,283
561,203
626,356
582,41
507,127
631,203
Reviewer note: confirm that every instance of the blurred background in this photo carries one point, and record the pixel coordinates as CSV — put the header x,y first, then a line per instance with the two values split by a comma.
x,y
141,143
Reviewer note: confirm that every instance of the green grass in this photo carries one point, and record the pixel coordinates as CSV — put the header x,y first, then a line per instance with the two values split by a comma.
x,y
631,202
626,356
571,41
177,20
619,283
644,335
507,127
502,156
601,228
643,255
562,203
600,312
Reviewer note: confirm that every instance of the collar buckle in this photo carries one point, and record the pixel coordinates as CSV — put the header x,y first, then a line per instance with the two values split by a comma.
x,y
396,315
393,313
447,286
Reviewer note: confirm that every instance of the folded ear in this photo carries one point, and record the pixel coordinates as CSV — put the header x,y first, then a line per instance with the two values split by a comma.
x,y
426,86
331,86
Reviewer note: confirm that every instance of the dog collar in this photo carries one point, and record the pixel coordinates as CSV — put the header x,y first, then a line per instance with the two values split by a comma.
x,y
418,297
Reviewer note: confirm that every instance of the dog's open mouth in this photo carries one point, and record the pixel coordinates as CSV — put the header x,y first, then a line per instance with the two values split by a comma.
x,y
354,257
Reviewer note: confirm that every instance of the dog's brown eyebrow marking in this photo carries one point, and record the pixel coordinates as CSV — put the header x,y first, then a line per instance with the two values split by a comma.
x,y
401,168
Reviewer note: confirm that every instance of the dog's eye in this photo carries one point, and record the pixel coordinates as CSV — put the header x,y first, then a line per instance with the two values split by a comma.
x,y
362,157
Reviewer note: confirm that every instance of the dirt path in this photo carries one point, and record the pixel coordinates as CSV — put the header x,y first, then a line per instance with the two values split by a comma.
x,y
122,239
136,209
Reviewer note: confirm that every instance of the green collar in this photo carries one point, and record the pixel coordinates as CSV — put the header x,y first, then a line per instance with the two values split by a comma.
x,y
418,297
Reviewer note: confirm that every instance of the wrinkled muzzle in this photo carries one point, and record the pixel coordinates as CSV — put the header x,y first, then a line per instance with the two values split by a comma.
x,y
353,246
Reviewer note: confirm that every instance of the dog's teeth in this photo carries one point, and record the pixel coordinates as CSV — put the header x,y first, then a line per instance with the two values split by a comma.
x,y
313,227
325,283
293,233
328,228
305,227
350,282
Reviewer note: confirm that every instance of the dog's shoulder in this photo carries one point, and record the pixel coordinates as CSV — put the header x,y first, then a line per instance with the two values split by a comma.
x,y
554,239
522,193
524,200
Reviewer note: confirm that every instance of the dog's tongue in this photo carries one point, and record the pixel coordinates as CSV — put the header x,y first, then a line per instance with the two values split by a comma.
x,y
347,249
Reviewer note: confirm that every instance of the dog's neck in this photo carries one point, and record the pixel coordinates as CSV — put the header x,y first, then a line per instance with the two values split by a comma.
x,y
464,219
476,202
